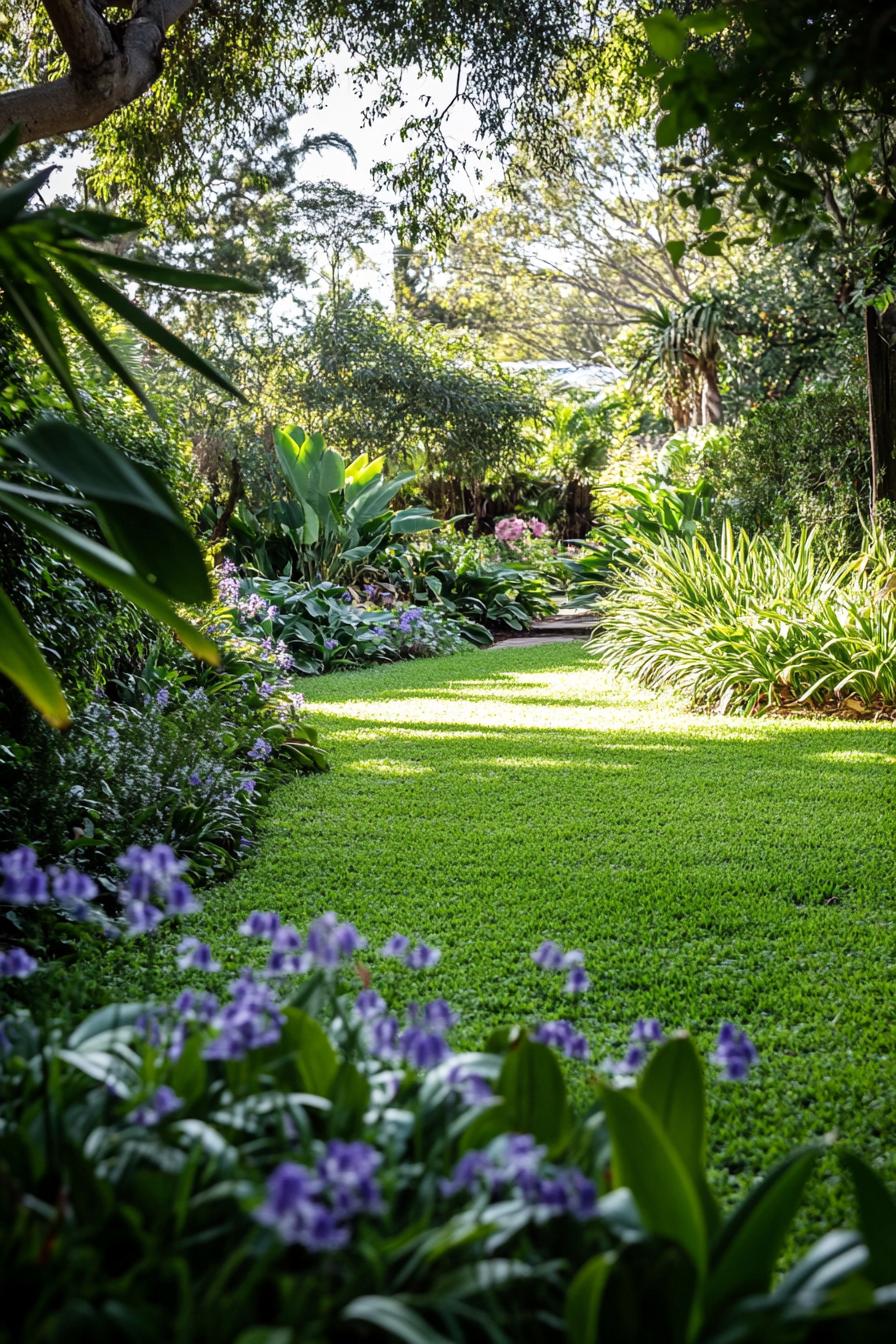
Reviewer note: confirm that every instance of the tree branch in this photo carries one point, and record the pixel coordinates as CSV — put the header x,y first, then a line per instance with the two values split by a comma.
x,y
110,67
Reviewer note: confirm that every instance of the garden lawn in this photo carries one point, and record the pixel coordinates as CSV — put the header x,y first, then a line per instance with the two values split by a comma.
x,y
710,868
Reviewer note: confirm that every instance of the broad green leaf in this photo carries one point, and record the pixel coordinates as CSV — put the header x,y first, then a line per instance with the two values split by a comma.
x,y
835,1257
676,249
748,1247
708,23
649,1294
877,1218
672,1086
583,1299
136,512
667,131
332,472
710,215
395,1318
23,663
532,1085
313,1055
113,571
161,274
349,1093
111,1018
666,34
646,1161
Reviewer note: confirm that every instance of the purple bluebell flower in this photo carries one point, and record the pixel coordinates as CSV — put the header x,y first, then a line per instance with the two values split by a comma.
x,y
266,690
24,882
382,1037
548,956
473,1088
287,939
369,1005
162,697
194,779
295,1211
631,1062
473,1171
196,956
578,981
260,750
422,957
423,1049
735,1053
563,1036
260,924
16,964
252,1019
328,941
439,1016
284,963
162,1103
647,1030
330,643
142,917
348,1171
185,1002
177,1041
249,785
179,898
347,599
396,946
148,1026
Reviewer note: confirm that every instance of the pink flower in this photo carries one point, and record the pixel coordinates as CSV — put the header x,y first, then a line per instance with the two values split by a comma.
x,y
509,530
537,527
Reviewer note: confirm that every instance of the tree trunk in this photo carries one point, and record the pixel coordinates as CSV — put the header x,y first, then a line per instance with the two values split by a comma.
x,y
880,350
710,396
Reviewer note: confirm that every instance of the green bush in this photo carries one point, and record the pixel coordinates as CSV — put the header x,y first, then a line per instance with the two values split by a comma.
x,y
803,461
470,578
296,1161
746,624
312,628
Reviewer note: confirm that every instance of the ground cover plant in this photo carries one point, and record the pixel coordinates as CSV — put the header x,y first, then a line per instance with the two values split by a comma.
x,y
745,623
438,1196
704,866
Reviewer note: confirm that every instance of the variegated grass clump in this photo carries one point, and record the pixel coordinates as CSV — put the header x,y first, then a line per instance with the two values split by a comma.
x,y
744,623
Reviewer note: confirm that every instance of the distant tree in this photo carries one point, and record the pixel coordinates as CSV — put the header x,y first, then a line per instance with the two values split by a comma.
x,y
789,109
160,80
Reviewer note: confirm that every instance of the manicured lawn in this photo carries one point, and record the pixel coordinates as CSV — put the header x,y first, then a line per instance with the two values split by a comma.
x,y
709,867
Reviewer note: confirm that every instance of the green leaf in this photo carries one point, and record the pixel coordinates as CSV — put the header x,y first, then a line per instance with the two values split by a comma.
x,y
266,1334
138,516
648,1295
646,1161
877,1218
583,1299
532,1085
746,1252
161,274
710,215
313,1055
666,34
672,1086
331,473
113,571
349,1093
23,663
676,249
148,326
394,1317
708,23
667,130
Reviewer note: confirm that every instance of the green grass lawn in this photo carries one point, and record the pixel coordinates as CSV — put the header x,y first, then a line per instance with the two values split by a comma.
x,y
709,867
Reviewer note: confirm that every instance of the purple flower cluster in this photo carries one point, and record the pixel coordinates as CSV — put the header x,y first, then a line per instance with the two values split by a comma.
x,y
196,956
563,1036
228,584
408,619
421,1044
24,883
16,964
313,1206
162,1103
260,750
647,1031
252,1019
418,957
154,874
551,957
326,945
514,1165
735,1053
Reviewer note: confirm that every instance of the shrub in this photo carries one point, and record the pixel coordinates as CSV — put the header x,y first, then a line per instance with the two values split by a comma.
x,y
802,461
747,624
179,754
324,626
470,578
294,1160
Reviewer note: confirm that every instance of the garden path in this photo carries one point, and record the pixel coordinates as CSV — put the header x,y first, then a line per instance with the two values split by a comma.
x,y
709,867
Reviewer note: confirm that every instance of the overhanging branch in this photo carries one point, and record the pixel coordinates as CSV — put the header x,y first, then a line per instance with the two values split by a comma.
x,y
109,67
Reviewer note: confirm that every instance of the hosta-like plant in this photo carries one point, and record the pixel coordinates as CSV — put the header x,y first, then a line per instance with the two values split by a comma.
x,y
282,1155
